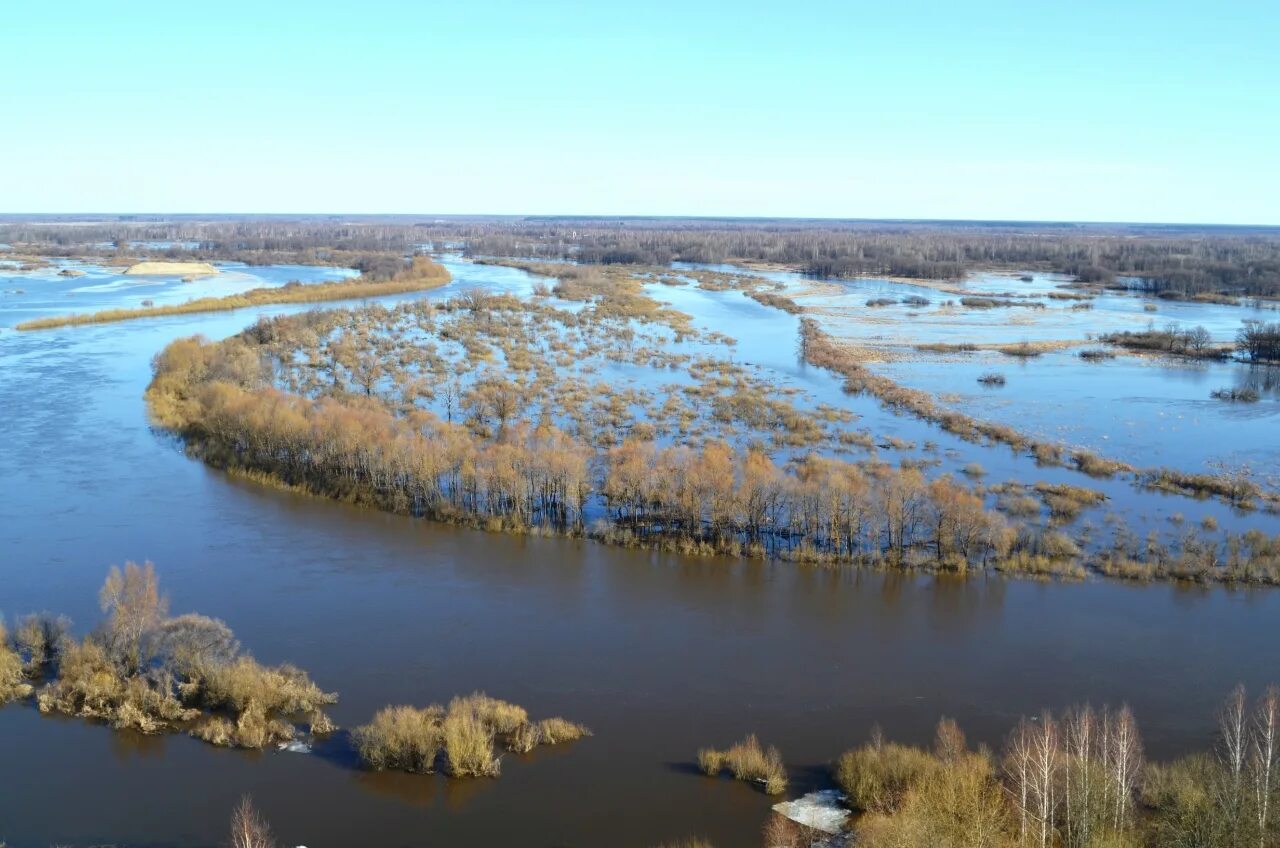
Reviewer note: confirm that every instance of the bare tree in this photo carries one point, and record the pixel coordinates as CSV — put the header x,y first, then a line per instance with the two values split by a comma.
x,y
1046,757
1233,746
1018,770
1122,756
134,606
1264,757
1080,789
248,828
949,741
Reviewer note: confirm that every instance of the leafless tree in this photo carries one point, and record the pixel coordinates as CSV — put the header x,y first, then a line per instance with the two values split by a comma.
x,y
1080,808
1122,756
248,828
134,606
1265,757
1233,748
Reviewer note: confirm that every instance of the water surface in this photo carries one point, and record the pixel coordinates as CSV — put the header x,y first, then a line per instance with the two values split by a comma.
x,y
658,654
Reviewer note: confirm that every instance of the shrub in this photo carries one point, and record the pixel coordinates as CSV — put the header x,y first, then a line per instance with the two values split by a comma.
x,y
1240,395
244,685
251,729
401,737
38,638
90,685
468,745
710,761
500,716
549,731
747,760
13,685
877,777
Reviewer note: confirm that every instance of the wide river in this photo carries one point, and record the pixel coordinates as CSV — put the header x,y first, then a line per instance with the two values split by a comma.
x,y
658,654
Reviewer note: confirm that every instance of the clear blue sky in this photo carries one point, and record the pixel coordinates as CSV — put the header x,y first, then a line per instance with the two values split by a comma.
x,y
1120,110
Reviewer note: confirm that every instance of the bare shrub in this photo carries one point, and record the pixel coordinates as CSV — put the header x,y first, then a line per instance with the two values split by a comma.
x,y
468,745
747,760
401,737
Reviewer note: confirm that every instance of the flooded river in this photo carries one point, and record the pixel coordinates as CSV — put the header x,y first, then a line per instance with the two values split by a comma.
x,y
658,654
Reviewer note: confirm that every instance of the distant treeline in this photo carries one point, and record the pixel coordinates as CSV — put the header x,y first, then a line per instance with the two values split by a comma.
x,y
1179,264
1169,260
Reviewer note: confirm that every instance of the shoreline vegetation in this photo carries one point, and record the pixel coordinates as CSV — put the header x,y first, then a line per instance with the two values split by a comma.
x,y
421,274
144,671
1077,779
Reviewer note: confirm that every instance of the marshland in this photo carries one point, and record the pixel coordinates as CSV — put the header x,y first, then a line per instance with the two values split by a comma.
x,y
681,487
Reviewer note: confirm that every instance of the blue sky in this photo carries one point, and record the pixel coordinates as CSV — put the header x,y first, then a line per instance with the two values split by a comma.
x,y
1032,110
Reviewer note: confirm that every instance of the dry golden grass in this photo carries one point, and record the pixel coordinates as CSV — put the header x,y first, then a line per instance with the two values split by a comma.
x,y
501,716
401,737
409,739
468,746
13,684
549,731
747,760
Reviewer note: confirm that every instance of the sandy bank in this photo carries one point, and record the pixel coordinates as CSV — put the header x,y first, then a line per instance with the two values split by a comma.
x,y
188,269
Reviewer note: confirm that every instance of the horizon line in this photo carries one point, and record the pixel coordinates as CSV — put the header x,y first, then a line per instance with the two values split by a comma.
x,y
159,217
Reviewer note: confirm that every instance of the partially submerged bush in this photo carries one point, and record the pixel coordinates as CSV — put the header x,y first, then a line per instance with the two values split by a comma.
x,y
468,745
410,739
549,731
404,738
251,729
146,672
13,683
710,761
90,685
1247,394
37,639
501,716
747,760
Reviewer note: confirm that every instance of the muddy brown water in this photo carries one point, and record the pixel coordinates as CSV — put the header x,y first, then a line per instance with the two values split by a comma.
x,y
658,654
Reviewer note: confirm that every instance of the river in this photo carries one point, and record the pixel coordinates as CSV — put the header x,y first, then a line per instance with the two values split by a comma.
x,y
658,654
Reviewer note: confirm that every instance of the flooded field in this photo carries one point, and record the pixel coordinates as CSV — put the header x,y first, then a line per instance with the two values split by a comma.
x,y
1143,409
659,654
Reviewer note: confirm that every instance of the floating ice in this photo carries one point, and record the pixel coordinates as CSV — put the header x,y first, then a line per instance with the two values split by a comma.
x,y
295,747
822,810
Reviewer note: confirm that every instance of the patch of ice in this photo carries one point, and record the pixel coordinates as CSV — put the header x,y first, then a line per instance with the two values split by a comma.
x,y
823,810
295,747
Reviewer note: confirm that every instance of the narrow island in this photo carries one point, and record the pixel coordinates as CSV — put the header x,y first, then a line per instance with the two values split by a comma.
x,y
419,274
171,269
